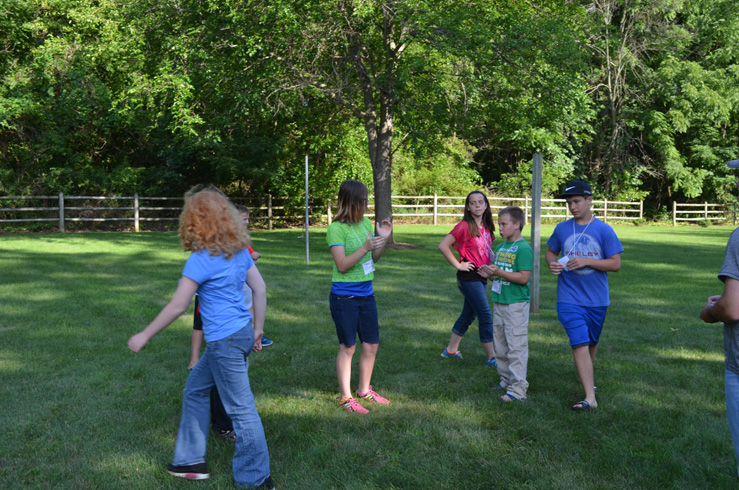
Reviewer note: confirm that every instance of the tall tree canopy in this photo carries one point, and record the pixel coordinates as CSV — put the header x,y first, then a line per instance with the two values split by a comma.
x,y
640,97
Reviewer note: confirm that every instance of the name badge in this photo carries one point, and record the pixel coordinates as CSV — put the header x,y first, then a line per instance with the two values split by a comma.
x,y
564,261
369,267
497,285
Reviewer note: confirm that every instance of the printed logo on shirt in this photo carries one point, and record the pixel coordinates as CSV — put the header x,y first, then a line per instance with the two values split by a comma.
x,y
585,246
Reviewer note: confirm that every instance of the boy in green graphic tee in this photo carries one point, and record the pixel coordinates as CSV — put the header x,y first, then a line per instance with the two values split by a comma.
x,y
511,271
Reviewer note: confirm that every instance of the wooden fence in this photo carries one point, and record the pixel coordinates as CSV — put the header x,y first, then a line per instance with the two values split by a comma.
x,y
138,210
703,212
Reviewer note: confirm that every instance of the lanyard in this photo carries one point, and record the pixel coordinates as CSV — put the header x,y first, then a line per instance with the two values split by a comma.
x,y
351,227
581,234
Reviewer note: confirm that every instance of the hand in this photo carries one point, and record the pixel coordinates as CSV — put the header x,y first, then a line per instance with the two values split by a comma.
x,y
373,243
384,229
487,271
138,341
706,313
257,340
192,364
577,263
255,256
466,266
556,268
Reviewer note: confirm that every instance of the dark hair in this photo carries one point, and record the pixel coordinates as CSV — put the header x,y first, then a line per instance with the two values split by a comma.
x,y
487,216
516,214
241,208
352,201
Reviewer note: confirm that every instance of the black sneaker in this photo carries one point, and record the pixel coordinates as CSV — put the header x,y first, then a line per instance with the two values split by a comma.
x,y
229,435
267,484
190,472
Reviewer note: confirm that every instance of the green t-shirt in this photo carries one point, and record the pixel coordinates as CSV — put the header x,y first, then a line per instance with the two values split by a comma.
x,y
352,237
512,257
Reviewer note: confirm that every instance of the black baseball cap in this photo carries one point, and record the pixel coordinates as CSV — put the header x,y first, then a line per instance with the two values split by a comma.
x,y
733,164
576,188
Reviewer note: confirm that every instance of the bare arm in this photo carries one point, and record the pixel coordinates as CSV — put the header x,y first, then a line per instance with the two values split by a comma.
x,y
724,308
611,264
446,251
344,262
176,307
520,277
259,301
551,258
384,230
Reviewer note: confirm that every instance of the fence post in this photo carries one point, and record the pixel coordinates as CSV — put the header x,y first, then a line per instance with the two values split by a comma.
x,y
61,212
526,208
269,210
328,210
436,202
735,212
674,213
641,209
705,209
136,212
605,210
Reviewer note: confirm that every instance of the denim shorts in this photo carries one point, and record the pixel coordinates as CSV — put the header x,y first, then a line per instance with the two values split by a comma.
x,y
355,315
583,324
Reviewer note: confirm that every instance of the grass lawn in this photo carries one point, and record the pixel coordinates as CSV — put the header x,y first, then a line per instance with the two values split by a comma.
x,y
81,411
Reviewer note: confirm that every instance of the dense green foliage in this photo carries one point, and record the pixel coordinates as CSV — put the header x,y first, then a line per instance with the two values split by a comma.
x,y
104,97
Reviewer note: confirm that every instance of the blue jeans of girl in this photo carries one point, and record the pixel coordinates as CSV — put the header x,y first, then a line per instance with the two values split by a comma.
x,y
224,364
476,305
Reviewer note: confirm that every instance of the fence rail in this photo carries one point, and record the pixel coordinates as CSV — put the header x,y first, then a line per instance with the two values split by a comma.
x,y
703,212
137,209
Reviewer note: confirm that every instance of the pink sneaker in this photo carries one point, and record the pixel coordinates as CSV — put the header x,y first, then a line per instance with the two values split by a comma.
x,y
373,397
352,405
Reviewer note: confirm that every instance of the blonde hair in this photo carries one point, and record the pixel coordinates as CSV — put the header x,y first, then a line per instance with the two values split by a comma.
x,y
210,222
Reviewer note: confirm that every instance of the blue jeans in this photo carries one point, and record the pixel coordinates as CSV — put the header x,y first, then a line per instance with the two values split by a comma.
x,y
732,408
225,365
476,305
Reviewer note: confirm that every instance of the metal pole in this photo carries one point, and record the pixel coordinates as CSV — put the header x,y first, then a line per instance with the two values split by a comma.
x,y
307,215
536,230
136,211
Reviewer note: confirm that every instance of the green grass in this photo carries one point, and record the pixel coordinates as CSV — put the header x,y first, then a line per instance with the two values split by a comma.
x,y
81,411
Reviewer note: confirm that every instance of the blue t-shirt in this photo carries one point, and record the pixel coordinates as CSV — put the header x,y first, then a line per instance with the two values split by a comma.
x,y
221,291
730,268
596,240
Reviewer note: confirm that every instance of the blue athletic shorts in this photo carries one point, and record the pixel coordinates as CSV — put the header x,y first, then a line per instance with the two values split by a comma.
x,y
583,324
355,316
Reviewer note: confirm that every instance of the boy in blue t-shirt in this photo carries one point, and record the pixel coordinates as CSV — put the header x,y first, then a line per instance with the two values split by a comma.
x,y
590,249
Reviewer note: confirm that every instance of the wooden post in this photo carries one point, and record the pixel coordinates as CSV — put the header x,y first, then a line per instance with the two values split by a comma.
x,y
436,211
705,209
641,209
674,213
328,210
136,211
269,210
61,212
605,210
526,206
536,180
